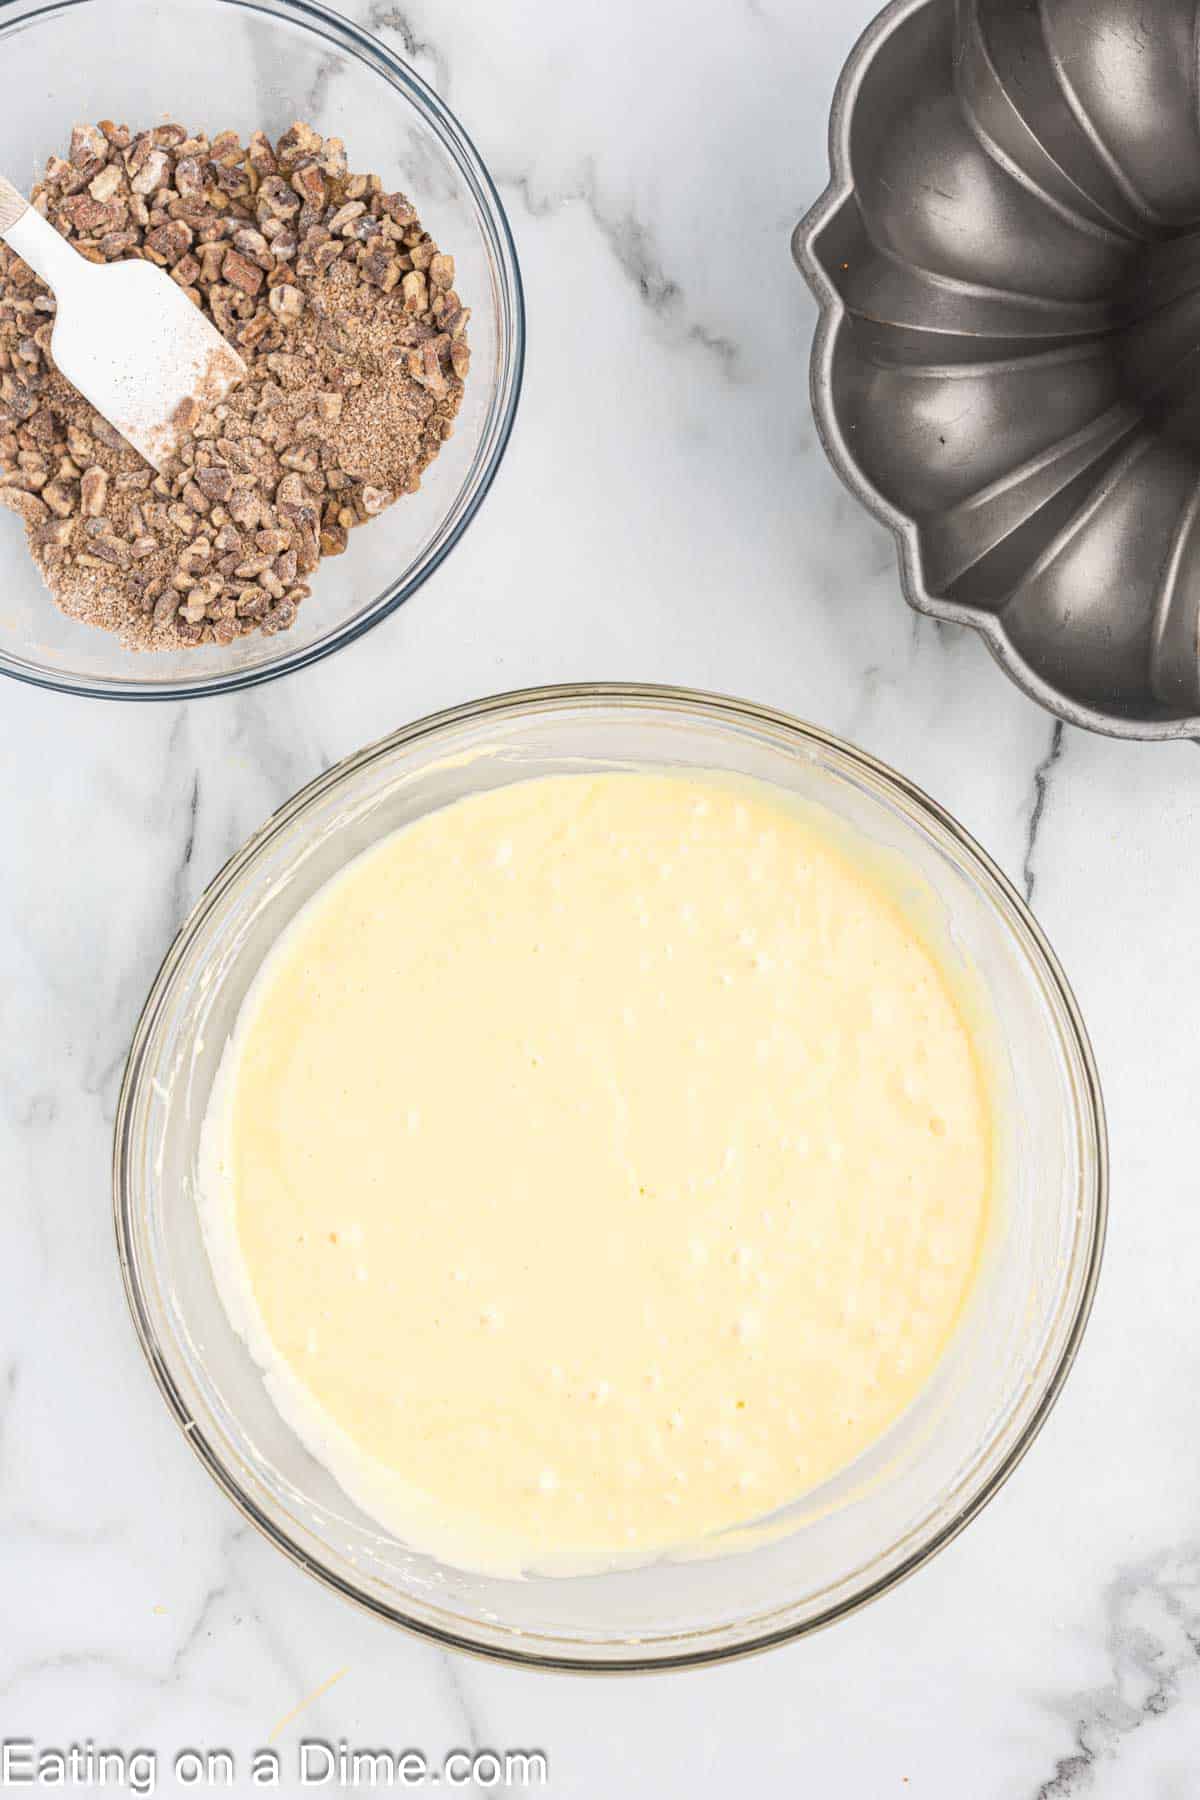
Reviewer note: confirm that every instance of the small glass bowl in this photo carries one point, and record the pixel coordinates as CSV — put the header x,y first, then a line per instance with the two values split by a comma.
x,y
861,1532
250,64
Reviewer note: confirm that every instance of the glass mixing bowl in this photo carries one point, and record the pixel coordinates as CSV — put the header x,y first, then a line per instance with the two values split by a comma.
x,y
861,1532
249,64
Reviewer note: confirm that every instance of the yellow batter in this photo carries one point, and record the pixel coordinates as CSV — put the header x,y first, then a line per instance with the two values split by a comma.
x,y
598,1163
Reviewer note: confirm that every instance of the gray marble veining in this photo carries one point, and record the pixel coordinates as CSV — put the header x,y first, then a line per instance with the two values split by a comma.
x,y
1041,790
1152,1644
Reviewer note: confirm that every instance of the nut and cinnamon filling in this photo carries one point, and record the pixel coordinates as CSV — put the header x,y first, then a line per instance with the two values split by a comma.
x,y
346,314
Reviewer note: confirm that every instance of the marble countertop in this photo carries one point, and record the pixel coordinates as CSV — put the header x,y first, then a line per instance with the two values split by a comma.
x,y
664,513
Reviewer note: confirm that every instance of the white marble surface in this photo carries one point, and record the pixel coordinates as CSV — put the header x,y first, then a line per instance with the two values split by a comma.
x,y
665,512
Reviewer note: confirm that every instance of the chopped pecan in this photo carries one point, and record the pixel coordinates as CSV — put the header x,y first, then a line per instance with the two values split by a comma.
x,y
151,172
168,243
241,272
18,500
226,149
62,497
253,244
116,244
415,291
260,155
107,434
88,144
93,492
189,178
275,199
87,214
280,617
298,140
309,183
107,183
399,208
345,217
216,481
286,302
381,269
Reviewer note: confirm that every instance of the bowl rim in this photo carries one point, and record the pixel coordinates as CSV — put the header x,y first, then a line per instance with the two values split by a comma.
x,y
731,711
832,314
325,22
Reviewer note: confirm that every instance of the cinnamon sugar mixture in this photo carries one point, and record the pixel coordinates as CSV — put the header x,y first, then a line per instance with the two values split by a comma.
x,y
345,312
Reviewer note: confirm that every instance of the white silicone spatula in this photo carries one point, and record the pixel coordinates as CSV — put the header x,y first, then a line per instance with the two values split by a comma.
x,y
125,335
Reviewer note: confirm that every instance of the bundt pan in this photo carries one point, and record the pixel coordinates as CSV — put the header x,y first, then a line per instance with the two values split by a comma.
x,y
1007,366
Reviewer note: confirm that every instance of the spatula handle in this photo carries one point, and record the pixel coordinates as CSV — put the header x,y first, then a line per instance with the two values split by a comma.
x,y
12,204
48,254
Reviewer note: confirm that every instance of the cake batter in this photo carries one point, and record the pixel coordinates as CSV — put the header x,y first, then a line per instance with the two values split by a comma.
x,y
598,1163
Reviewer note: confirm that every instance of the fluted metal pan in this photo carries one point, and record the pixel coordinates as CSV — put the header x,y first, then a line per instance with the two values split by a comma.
x,y
1007,364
